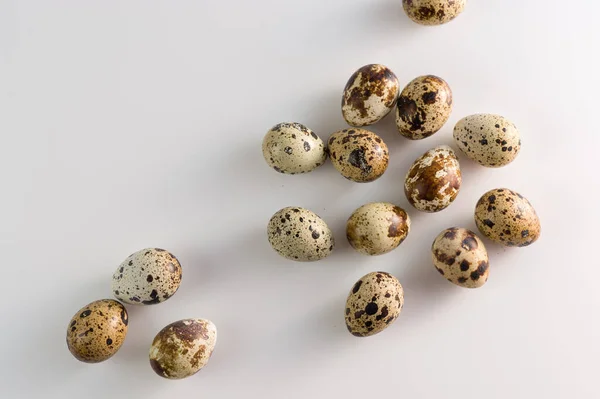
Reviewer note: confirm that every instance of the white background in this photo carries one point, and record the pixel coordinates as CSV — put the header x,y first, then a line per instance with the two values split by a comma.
x,y
130,124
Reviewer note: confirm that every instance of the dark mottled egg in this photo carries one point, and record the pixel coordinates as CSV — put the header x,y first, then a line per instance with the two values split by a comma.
x,y
424,107
460,256
293,148
299,234
433,12
358,154
97,331
507,218
182,348
491,140
375,302
147,277
369,95
434,180
377,228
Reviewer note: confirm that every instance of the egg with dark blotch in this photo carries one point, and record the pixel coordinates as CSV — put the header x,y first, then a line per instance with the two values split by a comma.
x,y
374,303
507,218
182,348
300,235
369,95
433,12
423,107
434,180
460,256
359,155
377,228
97,331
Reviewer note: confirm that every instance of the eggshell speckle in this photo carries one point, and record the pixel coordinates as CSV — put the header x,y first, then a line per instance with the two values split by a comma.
x,y
147,277
374,302
358,154
182,348
433,12
299,234
97,331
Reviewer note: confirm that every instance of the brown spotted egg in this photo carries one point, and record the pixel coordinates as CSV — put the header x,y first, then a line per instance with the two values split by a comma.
x,y
507,218
293,148
491,140
358,154
434,180
460,256
300,235
374,302
424,107
97,331
377,228
369,95
433,12
182,348
147,277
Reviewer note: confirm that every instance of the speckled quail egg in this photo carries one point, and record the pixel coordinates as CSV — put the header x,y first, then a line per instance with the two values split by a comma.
x,y
369,95
147,277
299,234
293,148
507,218
374,302
97,331
491,140
433,12
460,256
358,154
434,180
377,228
182,348
424,107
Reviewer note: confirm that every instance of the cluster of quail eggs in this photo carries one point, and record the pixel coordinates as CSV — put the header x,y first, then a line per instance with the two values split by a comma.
x,y
148,277
431,184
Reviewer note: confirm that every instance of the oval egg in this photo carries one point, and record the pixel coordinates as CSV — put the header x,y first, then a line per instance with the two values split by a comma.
x,y
369,95
358,154
507,218
97,331
434,180
374,302
433,12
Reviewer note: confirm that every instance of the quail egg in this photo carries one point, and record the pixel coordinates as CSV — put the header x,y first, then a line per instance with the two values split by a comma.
x,y
358,154
433,12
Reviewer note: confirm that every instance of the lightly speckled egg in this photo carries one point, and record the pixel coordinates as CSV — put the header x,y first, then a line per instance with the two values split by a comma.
x,y
300,235
293,148
433,12
147,277
358,154
423,107
460,256
182,348
97,331
434,180
374,302
369,95
490,140
377,228
507,218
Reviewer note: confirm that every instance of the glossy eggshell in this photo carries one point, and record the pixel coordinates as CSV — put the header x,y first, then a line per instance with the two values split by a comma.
x,y
374,303
490,140
369,95
434,180
293,148
507,218
423,107
147,277
358,154
433,12
300,235
182,348
377,228
97,331
460,256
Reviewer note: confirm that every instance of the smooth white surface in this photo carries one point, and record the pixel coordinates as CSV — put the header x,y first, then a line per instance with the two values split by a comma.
x,y
128,124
